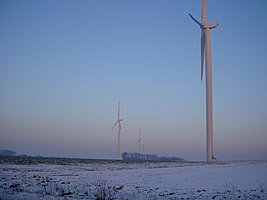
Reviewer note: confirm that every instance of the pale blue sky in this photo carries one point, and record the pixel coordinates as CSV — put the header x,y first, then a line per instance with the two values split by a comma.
x,y
64,65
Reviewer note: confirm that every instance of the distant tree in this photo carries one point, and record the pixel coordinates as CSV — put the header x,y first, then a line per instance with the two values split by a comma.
x,y
148,157
6,152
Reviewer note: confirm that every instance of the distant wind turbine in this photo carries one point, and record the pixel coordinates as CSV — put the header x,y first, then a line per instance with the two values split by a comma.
x,y
206,50
118,123
139,141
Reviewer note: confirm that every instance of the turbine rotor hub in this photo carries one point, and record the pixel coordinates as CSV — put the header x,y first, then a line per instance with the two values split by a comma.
x,y
210,25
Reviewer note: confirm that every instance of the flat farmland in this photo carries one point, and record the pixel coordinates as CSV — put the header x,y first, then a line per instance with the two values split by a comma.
x,y
68,178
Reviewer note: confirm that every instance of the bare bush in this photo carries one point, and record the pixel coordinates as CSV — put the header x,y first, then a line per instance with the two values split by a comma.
x,y
103,191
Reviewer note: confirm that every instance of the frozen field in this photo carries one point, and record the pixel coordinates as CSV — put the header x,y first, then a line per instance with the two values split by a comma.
x,y
134,180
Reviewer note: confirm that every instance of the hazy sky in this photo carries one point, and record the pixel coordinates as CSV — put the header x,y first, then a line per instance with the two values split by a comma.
x,y
64,65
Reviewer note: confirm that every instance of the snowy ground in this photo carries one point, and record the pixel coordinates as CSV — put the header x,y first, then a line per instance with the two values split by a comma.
x,y
133,180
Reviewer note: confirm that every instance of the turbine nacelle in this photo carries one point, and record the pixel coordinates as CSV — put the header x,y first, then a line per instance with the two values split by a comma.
x,y
204,25
211,25
117,122
139,140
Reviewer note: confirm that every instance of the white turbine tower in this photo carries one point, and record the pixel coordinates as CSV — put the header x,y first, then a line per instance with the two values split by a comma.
x,y
118,123
206,50
143,150
139,141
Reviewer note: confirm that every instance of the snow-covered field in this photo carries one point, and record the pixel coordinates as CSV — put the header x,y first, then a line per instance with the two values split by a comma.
x,y
135,180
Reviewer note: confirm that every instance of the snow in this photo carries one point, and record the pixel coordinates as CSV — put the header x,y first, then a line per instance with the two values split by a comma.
x,y
221,180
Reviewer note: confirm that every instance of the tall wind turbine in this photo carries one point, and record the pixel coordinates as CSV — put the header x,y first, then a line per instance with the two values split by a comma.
x,y
139,141
118,123
206,51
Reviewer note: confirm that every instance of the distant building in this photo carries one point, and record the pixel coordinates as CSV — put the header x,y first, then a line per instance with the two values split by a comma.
x,y
148,157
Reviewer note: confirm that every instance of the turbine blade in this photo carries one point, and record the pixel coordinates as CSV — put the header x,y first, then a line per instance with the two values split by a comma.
x,y
119,110
201,25
203,15
203,38
115,125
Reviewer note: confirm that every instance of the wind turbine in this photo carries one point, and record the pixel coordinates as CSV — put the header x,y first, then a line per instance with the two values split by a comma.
x,y
206,51
139,141
118,123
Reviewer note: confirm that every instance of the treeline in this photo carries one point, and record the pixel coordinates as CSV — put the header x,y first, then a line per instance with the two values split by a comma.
x,y
148,157
6,152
